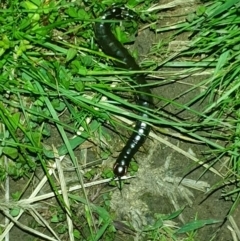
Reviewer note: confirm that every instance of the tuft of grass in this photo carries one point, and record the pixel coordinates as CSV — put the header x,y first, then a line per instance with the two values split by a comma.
x,y
218,43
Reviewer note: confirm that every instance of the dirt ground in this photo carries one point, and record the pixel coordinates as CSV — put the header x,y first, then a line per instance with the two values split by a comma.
x,y
158,186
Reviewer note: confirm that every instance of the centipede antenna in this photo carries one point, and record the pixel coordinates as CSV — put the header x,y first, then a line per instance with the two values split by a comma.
x,y
120,184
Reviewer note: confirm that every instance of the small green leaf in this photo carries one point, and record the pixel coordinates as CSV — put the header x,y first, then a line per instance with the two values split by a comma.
x,y
172,215
201,10
132,3
28,5
15,211
82,71
58,105
107,173
16,195
5,42
36,138
72,12
191,17
23,24
54,219
15,120
133,166
196,225
76,234
86,61
71,53
75,65
61,229
90,174
79,86
37,2
11,152
83,14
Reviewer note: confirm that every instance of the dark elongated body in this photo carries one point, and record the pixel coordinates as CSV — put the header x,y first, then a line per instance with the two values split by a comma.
x,y
112,47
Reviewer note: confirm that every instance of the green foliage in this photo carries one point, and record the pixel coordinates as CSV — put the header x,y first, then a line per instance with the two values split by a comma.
x,y
54,77
192,226
216,30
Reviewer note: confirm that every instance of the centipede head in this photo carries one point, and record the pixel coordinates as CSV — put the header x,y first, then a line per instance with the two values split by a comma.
x,y
119,170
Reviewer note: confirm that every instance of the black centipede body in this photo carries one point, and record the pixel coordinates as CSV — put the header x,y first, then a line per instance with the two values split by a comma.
x,y
112,47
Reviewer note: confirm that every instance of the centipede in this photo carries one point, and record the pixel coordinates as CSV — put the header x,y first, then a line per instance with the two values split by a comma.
x,y
113,48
